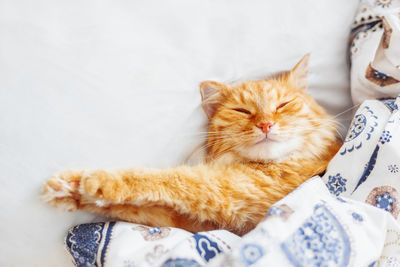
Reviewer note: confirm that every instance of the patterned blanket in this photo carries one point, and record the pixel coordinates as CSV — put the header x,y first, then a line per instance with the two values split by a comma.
x,y
348,217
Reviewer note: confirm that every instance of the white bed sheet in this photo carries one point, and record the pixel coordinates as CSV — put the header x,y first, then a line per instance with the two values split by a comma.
x,y
105,84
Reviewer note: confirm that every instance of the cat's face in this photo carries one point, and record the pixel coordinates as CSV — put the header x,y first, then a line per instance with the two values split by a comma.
x,y
263,120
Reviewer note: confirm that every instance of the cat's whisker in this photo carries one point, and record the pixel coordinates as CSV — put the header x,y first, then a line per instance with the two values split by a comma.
x,y
214,141
325,120
203,134
297,130
230,148
347,110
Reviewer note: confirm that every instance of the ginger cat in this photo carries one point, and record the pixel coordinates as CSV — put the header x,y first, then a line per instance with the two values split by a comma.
x,y
265,138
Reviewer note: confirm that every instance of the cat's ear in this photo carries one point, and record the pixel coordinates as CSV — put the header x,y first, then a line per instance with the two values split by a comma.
x,y
298,76
210,94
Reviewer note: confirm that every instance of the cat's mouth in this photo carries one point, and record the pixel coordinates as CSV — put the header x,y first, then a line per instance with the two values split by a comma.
x,y
265,140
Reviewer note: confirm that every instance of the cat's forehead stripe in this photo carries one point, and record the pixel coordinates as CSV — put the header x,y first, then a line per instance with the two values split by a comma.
x,y
264,96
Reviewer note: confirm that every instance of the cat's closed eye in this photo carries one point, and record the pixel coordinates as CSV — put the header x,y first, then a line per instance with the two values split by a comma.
x,y
282,105
242,110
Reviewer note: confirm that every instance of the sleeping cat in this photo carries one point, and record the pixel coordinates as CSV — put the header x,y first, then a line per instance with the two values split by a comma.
x,y
265,138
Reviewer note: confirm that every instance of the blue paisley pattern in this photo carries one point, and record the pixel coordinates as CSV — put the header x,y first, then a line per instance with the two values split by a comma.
x,y
251,253
357,217
386,198
385,201
84,243
206,248
336,184
357,127
320,241
365,122
368,169
275,211
181,263
393,168
283,211
383,3
390,103
385,137
152,233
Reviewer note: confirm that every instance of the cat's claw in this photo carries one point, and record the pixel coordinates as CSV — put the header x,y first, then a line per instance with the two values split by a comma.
x,y
61,190
69,190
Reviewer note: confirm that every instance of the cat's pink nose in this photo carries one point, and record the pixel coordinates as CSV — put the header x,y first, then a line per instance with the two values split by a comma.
x,y
265,126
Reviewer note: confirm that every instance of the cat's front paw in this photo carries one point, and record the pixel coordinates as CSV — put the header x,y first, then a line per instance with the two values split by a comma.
x,y
61,190
102,188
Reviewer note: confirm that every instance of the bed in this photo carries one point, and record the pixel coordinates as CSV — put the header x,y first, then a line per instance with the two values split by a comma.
x,y
115,84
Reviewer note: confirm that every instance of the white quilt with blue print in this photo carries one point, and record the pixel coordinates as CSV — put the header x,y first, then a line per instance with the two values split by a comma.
x,y
349,217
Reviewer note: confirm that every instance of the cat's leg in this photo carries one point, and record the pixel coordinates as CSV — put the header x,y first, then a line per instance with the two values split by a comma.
x,y
62,191
233,197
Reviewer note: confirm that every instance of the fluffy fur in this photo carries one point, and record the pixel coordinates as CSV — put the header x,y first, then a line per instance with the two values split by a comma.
x,y
265,138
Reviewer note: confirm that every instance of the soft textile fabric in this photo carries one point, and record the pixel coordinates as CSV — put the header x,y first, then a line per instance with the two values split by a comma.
x,y
371,148
311,227
128,245
350,220
375,50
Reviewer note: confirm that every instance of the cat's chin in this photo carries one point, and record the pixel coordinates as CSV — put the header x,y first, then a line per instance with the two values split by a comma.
x,y
270,149
264,141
